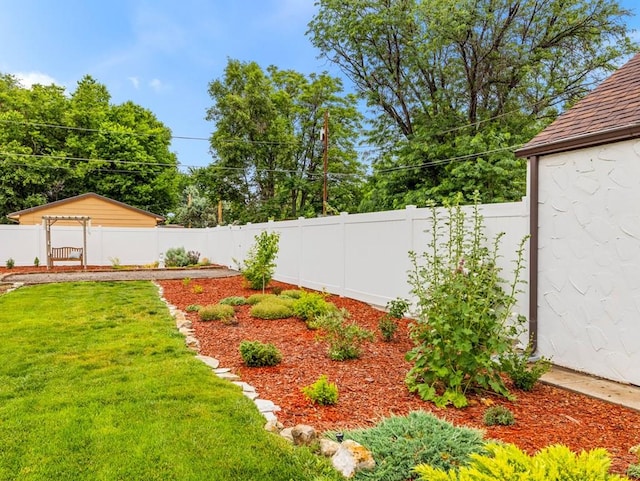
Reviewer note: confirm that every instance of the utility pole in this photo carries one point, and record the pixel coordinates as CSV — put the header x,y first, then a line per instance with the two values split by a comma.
x,y
325,138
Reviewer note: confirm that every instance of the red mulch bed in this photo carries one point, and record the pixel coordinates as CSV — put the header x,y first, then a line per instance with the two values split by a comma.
x,y
372,387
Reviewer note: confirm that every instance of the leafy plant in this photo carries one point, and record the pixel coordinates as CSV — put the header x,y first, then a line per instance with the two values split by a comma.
x,y
257,354
523,373
345,339
115,262
193,257
271,309
277,290
186,281
498,416
310,305
322,392
633,471
398,307
260,264
193,308
234,301
464,321
398,443
388,327
10,263
506,462
197,289
176,257
215,312
256,298
292,293
36,262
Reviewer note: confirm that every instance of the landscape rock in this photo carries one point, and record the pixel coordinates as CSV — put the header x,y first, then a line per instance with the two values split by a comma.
x,y
274,427
209,361
303,435
328,447
352,457
286,433
192,343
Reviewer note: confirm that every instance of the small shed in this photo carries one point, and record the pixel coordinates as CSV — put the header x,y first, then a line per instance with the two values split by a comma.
x,y
585,225
103,212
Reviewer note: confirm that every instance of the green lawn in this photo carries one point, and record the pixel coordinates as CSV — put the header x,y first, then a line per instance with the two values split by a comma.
x,y
96,384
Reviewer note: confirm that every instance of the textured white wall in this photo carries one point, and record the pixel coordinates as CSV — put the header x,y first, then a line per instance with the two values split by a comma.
x,y
589,260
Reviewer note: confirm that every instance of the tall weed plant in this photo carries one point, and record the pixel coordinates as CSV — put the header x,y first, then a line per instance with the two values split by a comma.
x,y
464,310
260,263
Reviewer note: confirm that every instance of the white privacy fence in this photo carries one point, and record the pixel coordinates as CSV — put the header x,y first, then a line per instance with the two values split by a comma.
x,y
362,256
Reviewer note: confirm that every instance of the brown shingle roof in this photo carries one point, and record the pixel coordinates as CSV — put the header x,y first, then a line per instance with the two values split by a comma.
x,y
611,112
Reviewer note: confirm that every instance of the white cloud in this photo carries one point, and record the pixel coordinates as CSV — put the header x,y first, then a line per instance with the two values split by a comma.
x,y
28,79
157,85
135,81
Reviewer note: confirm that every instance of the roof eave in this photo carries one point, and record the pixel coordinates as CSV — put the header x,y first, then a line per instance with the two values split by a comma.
x,y
618,134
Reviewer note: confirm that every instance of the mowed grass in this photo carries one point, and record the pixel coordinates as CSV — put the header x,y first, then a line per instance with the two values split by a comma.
x,y
96,384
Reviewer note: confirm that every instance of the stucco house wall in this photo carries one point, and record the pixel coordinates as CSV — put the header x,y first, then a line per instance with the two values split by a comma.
x,y
589,260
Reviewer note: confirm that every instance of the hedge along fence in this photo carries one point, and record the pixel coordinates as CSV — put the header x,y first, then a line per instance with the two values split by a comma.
x,y
361,256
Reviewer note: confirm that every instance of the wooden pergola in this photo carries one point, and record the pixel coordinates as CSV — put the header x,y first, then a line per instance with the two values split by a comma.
x,y
49,220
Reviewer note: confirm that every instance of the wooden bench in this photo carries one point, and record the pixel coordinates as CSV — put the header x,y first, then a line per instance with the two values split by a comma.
x,y
67,254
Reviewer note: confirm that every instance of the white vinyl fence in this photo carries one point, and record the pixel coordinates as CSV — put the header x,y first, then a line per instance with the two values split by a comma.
x,y
361,256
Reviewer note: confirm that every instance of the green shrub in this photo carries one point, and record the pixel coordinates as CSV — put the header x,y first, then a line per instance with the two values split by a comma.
x,y
215,312
10,263
234,301
271,309
197,289
257,354
310,305
259,266
524,374
36,262
193,257
633,471
193,308
186,281
399,443
345,339
255,298
277,290
463,324
505,462
398,307
292,293
176,257
322,392
388,327
498,416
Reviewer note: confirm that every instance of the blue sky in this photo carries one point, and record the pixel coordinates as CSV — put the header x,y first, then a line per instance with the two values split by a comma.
x,y
160,54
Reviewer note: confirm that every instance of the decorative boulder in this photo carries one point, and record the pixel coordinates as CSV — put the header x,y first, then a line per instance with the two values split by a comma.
x,y
328,447
303,435
351,457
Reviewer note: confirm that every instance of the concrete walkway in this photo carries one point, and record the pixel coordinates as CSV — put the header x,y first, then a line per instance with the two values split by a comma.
x,y
623,394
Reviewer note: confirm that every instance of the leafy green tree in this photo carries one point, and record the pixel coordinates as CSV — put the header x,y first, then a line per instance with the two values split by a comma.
x,y
195,210
458,85
267,144
54,146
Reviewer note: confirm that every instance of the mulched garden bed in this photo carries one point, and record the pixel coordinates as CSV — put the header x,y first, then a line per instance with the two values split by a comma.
x,y
372,387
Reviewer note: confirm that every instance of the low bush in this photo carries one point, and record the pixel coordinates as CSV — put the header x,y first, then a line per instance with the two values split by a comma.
x,y
345,339
216,312
292,293
633,471
186,281
399,443
524,374
193,258
310,305
506,462
176,257
277,290
498,416
234,301
272,309
193,308
257,354
10,263
388,327
322,392
255,298
197,289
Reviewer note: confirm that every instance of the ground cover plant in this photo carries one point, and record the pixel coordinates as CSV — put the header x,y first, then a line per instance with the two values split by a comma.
x,y
96,384
372,386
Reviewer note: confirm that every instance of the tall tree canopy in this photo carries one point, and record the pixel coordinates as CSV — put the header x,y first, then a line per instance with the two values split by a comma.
x,y
456,86
54,146
268,152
